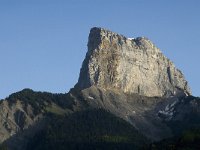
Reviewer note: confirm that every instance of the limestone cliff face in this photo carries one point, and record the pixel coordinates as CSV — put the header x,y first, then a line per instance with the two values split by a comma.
x,y
131,65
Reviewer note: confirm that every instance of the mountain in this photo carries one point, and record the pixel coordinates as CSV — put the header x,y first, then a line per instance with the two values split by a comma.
x,y
130,65
25,112
128,96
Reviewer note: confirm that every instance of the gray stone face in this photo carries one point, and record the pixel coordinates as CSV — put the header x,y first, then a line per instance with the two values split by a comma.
x,y
14,118
131,65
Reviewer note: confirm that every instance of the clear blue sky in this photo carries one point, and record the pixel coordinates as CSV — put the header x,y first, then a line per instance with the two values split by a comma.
x,y
43,42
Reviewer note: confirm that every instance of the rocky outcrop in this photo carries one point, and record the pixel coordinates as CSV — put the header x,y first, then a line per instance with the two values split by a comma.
x,y
130,65
13,119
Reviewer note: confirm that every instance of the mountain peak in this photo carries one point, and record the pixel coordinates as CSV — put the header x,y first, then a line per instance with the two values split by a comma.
x,y
133,65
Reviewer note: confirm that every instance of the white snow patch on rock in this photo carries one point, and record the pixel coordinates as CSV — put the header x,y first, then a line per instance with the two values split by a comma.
x,y
90,97
168,112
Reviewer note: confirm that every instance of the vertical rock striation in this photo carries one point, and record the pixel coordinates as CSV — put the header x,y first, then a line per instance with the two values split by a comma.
x,y
131,65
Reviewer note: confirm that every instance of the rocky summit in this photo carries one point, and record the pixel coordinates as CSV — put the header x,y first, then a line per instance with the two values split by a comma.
x,y
130,65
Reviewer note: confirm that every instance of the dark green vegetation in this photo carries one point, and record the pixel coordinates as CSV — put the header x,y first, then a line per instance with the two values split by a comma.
x,y
90,129
39,100
3,147
186,131
189,140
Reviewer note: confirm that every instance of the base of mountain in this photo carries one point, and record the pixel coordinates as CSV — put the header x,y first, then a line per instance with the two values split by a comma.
x,y
69,122
98,129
